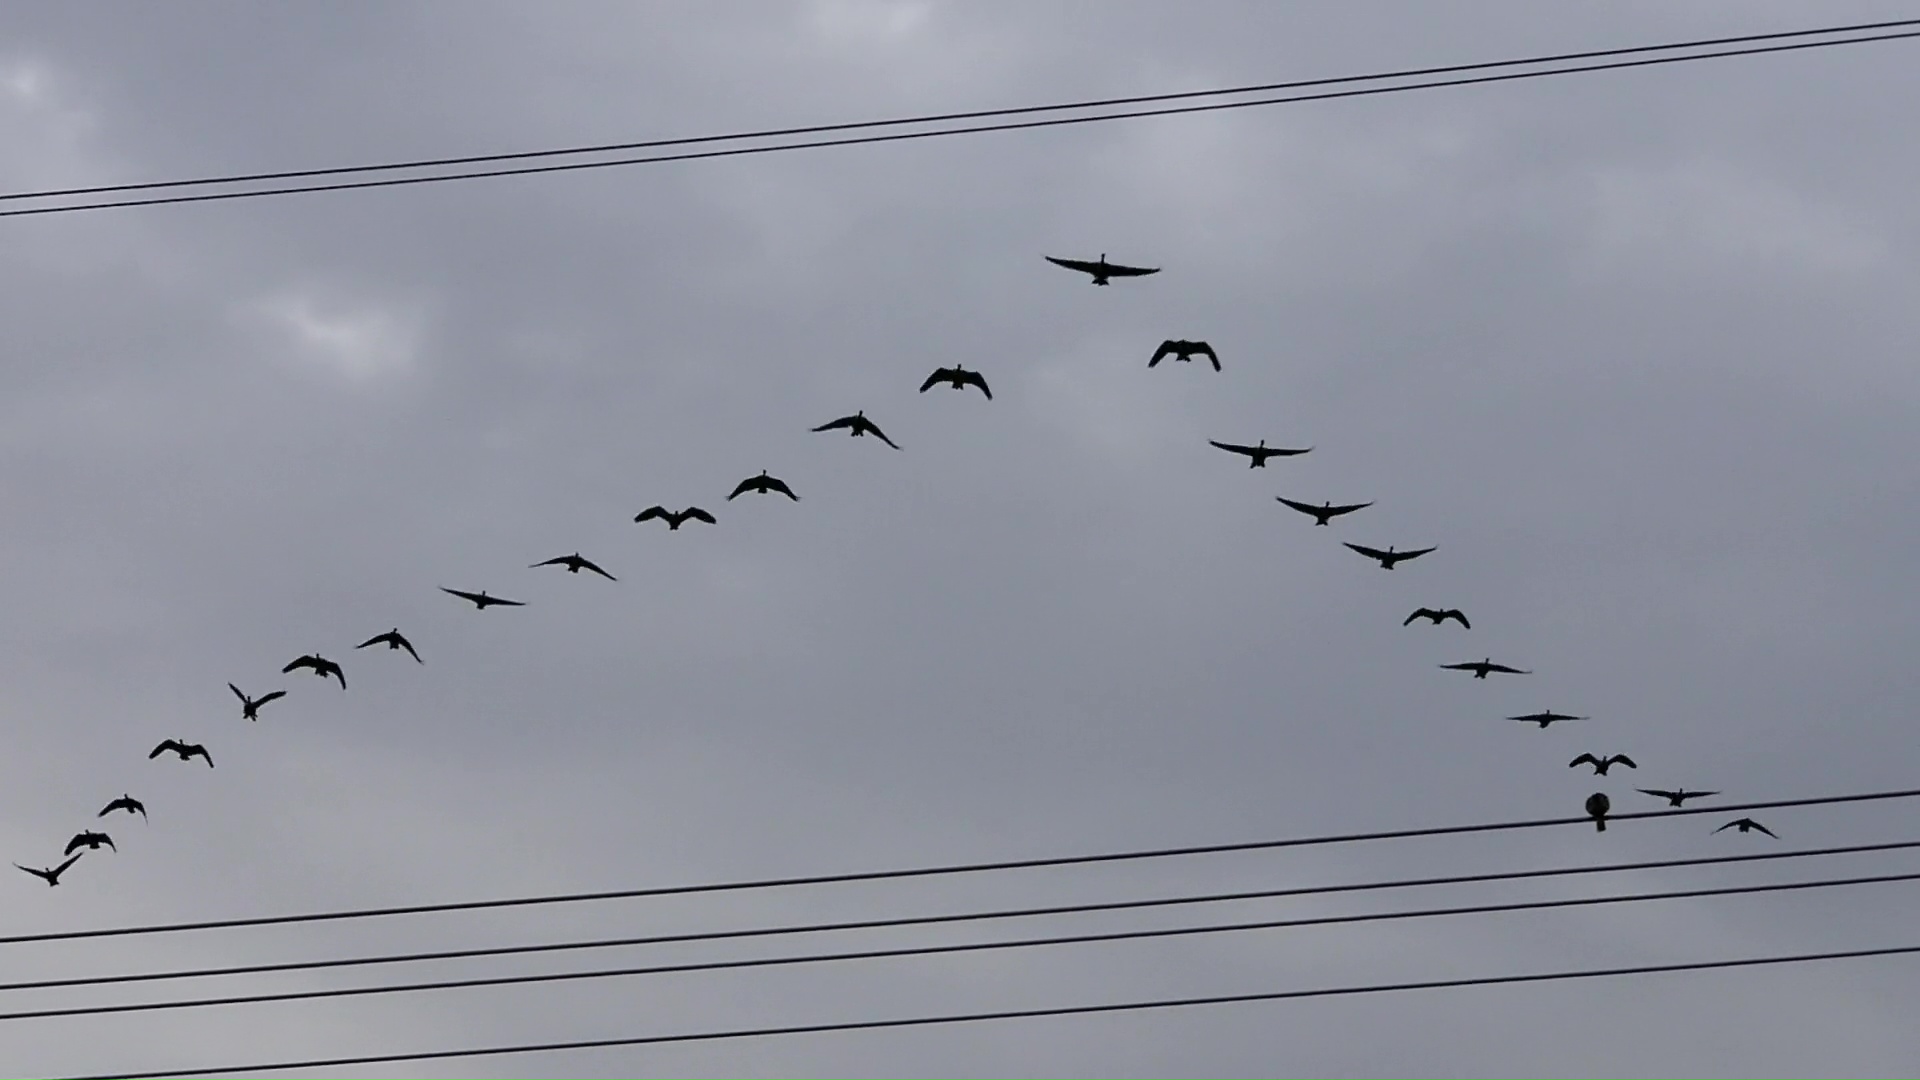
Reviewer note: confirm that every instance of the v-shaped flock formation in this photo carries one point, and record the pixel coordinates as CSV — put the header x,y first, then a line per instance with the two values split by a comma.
x,y
857,425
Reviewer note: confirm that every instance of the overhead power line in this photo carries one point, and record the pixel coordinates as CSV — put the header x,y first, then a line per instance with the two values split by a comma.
x,y
936,950
949,117
1009,1014
931,920
950,869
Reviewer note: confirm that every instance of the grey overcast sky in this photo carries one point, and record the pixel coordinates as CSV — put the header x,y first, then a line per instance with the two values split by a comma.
x,y
1635,350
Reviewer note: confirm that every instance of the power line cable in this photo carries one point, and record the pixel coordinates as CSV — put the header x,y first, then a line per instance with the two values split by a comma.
x,y
951,117
972,130
934,950
948,869
922,920
1009,1014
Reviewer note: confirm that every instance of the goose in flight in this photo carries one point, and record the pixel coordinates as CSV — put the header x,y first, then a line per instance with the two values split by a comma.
x,y
481,601
125,802
250,707
1546,718
321,666
1747,824
957,377
1481,667
392,639
1602,764
1325,511
763,484
51,875
1438,616
673,520
1258,454
1389,557
1103,269
1597,806
1184,351
187,751
858,425
574,564
90,840
1675,798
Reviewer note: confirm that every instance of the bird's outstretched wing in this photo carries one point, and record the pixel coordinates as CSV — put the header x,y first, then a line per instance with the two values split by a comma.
x,y
48,876
1420,613
1508,670
939,375
1622,759
1457,615
589,564
1236,448
843,422
1167,348
978,380
405,644
273,696
774,483
1729,825
1371,553
1762,828
1206,350
62,868
697,514
1584,759
1658,794
650,513
1076,264
377,639
1403,556
296,665
878,434
237,693
1117,270
202,752
742,488
472,598
564,560
163,748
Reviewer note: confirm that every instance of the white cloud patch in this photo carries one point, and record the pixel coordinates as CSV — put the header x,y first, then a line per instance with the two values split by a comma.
x,y
360,342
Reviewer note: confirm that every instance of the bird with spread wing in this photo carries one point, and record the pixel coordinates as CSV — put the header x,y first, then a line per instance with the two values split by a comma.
x,y
1481,667
320,666
187,751
673,520
763,484
1602,764
1325,512
1103,269
481,601
1258,455
1184,351
574,564
1438,616
250,707
392,639
858,425
957,377
1389,557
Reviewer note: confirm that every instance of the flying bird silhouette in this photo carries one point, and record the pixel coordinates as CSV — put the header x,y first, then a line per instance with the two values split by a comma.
x,y
1747,824
320,665
1597,806
125,802
250,707
574,564
1438,616
392,639
858,425
187,751
1184,351
1481,667
1545,718
51,875
1258,454
1103,269
481,601
957,377
1602,764
1389,557
90,840
763,484
1676,798
673,520
1324,512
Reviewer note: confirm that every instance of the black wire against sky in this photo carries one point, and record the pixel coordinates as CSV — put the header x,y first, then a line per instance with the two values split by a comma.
x,y
970,130
951,868
932,920
1006,1014
950,117
937,950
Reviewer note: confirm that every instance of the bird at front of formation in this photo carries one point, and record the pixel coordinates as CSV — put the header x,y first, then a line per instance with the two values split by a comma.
x,y
673,520
320,666
1747,824
1103,269
125,802
250,707
574,564
1481,667
763,484
392,639
1597,806
51,875
187,751
1258,454
1325,511
1438,616
1184,351
481,601
90,840
957,377
1602,764
1546,718
858,425
1675,798
1389,557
